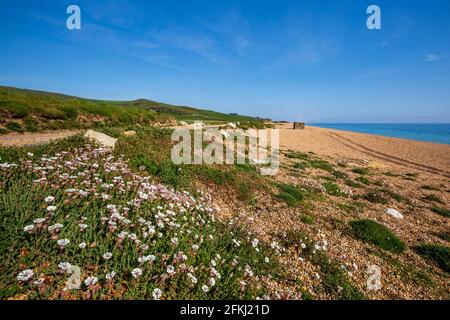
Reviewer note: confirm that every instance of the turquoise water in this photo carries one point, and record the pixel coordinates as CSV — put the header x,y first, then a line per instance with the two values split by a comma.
x,y
439,133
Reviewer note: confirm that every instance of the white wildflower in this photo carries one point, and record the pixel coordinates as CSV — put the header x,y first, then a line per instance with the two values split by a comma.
x,y
25,275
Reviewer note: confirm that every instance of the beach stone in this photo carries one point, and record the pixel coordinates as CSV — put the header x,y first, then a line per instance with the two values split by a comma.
x,y
394,213
129,133
182,123
101,138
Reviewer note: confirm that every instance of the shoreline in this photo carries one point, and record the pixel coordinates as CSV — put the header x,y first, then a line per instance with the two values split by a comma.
x,y
381,151
323,126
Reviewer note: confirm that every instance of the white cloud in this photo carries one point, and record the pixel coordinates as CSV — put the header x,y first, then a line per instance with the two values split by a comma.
x,y
434,57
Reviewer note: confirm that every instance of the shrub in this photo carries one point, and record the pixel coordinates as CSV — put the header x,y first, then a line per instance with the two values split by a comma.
x,y
372,232
436,253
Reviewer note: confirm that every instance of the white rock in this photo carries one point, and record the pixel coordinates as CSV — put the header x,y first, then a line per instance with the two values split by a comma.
x,y
231,124
182,123
394,213
101,138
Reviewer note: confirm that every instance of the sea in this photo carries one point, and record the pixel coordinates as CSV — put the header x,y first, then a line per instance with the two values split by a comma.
x,y
438,133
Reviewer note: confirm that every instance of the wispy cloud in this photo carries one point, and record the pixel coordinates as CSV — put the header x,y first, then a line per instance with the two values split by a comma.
x,y
435,57
402,28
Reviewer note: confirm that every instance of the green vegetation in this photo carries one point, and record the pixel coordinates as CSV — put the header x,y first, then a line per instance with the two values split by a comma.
x,y
375,197
332,188
335,281
307,219
31,110
395,196
23,200
372,232
363,180
437,253
441,211
432,198
353,184
354,208
291,194
362,171
430,188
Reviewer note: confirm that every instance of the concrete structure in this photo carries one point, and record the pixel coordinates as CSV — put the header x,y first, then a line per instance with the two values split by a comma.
x,y
299,125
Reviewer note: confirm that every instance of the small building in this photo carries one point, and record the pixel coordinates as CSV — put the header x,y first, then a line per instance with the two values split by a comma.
x,y
299,125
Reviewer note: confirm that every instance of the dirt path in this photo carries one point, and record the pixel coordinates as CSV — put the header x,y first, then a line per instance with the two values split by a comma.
x,y
33,138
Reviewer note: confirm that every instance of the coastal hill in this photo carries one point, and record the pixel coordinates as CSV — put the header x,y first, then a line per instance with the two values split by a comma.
x,y
31,110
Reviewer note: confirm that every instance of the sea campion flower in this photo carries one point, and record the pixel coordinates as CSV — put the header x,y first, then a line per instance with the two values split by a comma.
x,y
192,278
157,293
170,270
82,245
110,275
29,228
107,255
49,199
90,281
62,243
205,288
136,272
25,275
82,226
255,243
212,282
64,266
174,241
51,209
195,247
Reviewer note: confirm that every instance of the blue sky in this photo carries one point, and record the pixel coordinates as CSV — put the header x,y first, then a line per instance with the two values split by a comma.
x,y
296,60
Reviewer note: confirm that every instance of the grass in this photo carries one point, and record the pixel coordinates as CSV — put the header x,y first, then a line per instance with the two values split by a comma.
x,y
397,197
39,110
332,188
354,207
307,219
363,180
430,188
361,171
441,211
432,198
375,197
292,195
439,254
372,232
353,184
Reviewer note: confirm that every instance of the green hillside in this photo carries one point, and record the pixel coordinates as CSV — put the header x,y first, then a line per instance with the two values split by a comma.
x,y
30,110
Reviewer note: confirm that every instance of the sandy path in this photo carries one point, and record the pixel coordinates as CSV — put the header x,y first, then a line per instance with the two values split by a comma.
x,y
422,156
32,138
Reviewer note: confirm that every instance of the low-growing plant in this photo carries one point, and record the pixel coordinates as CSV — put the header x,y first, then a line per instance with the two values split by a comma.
x,y
307,219
432,198
290,194
362,171
375,233
332,188
441,211
375,197
439,254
